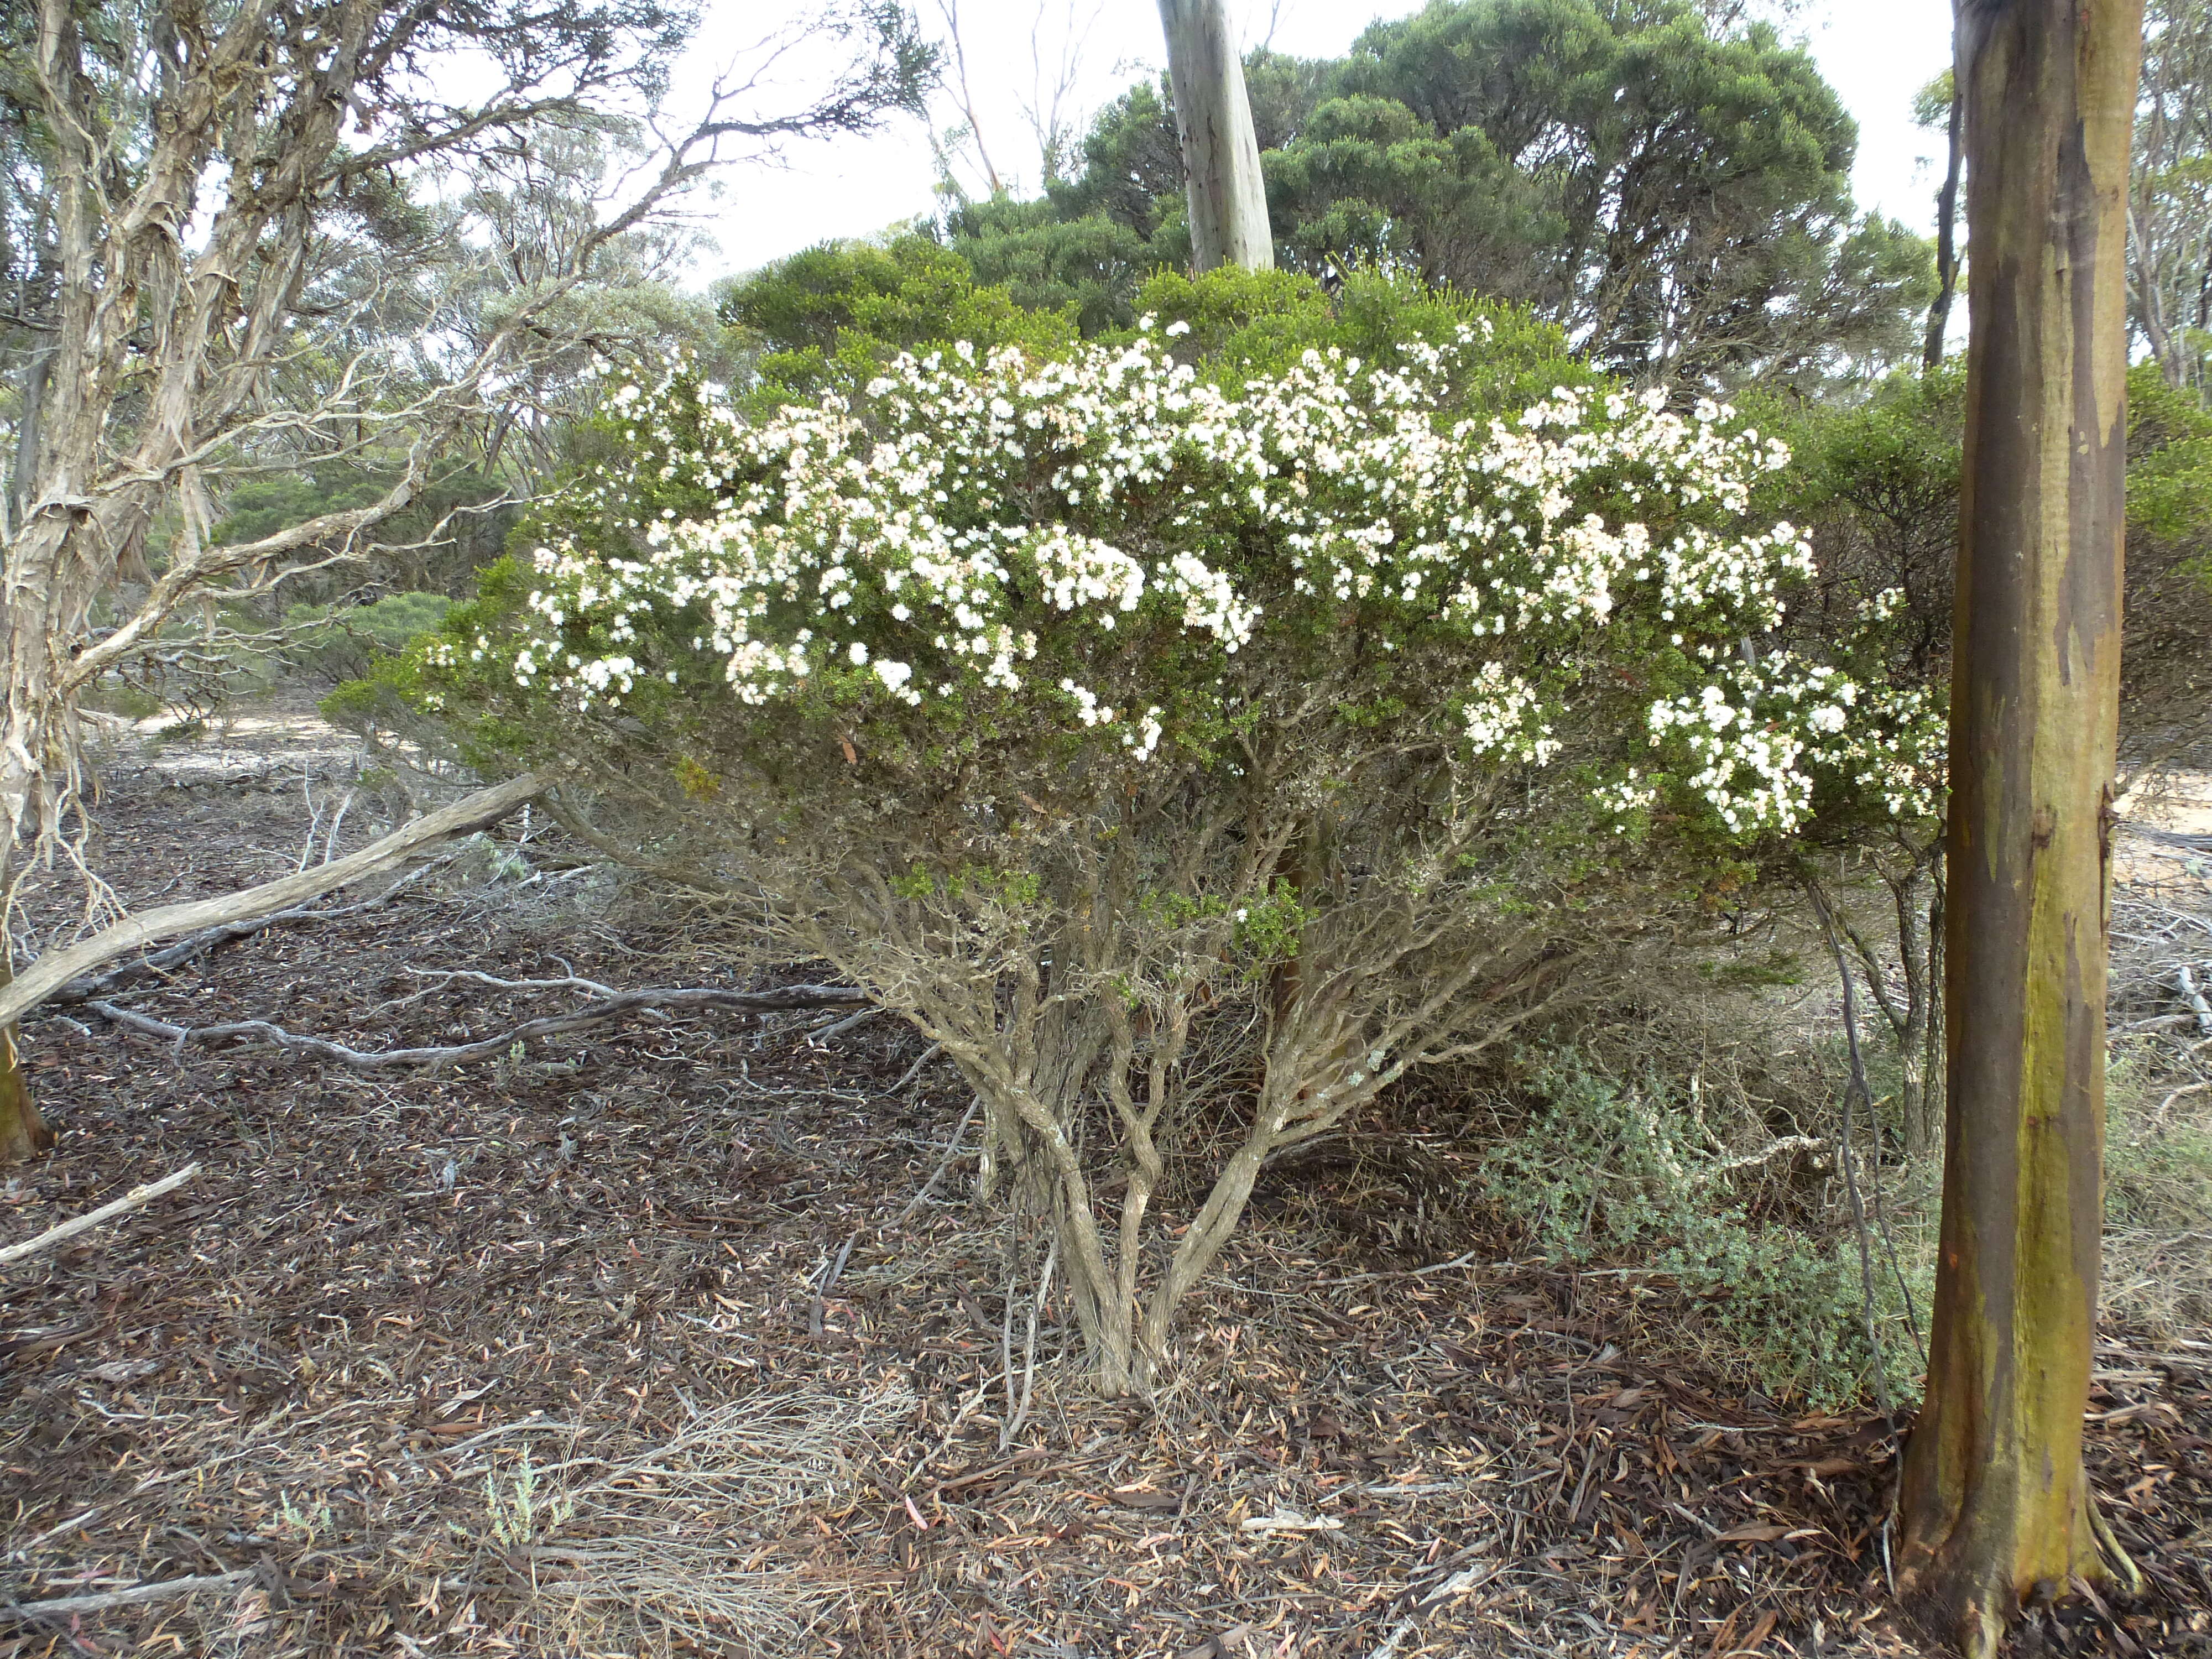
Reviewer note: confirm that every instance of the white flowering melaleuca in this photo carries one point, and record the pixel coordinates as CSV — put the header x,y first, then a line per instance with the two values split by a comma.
x,y
1110,547
1065,704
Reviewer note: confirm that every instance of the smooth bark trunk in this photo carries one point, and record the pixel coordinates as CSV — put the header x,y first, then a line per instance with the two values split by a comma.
x,y
1220,151
23,1131
1947,234
1996,1507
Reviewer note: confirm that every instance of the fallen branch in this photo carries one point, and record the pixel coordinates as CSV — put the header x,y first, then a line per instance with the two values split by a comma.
x,y
2195,998
85,1222
198,944
70,1607
58,968
791,997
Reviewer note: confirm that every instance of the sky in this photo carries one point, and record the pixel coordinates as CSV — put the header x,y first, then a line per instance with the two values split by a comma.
x,y
1876,53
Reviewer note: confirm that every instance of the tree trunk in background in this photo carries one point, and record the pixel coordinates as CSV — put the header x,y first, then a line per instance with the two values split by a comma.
x,y
1996,1506
1946,233
1220,152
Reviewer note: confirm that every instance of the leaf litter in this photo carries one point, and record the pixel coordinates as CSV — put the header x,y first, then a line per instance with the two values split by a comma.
x,y
615,1348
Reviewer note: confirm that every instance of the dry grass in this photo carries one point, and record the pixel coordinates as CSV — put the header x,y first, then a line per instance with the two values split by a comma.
x,y
683,1541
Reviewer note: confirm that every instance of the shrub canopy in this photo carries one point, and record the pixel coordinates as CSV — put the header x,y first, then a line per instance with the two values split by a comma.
x,y
1204,727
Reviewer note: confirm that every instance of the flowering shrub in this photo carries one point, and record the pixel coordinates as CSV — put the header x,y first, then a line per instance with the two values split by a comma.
x,y
1191,751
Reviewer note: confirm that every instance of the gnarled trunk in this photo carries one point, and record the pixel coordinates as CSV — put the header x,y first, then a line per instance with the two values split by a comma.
x,y
1996,1506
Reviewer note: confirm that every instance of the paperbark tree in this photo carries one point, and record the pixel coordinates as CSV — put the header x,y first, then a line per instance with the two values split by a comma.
x,y
1996,1506
1220,150
212,209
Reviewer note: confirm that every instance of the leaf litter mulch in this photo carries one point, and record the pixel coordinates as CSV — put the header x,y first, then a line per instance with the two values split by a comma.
x,y
620,1347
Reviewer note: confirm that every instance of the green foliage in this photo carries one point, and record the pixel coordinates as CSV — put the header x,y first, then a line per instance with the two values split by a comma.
x,y
1931,105
1878,483
2169,461
1673,194
436,542
837,312
342,642
392,693
1244,324
1605,1171
1089,266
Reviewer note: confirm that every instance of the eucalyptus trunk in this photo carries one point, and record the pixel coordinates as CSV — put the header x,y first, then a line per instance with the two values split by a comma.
x,y
24,1131
1220,151
1996,1506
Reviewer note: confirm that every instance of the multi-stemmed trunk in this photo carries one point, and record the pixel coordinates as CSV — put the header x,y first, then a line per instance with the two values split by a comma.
x,y
1996,1506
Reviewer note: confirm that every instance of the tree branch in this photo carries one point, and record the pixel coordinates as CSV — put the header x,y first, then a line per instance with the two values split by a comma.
x,y
788,999
58,968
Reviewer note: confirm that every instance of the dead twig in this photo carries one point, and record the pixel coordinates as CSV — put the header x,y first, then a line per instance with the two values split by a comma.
x,y
951,1151
71,1607
66,1230
628,1002
1021,1413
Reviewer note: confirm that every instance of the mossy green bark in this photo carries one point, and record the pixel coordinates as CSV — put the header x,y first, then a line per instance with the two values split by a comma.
x,y
1995,1505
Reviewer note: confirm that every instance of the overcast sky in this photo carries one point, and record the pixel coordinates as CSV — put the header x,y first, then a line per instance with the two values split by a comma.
x,y
1876,53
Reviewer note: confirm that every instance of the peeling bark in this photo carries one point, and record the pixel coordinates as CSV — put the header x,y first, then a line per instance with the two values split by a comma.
x,y
1994,1503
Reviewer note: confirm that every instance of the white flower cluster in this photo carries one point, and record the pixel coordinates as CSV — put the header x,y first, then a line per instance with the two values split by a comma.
x,y
920,538
1505,714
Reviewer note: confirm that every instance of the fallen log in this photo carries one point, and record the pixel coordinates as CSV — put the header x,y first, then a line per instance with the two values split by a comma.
x,y
58,968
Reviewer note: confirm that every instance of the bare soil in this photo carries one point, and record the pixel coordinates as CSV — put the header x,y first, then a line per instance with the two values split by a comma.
x,y
313,1374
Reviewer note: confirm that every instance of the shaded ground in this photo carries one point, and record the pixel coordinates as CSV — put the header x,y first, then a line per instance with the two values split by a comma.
x,y
656,1258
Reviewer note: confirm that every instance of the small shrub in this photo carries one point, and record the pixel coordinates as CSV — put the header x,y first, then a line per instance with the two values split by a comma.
x,y
1609,1171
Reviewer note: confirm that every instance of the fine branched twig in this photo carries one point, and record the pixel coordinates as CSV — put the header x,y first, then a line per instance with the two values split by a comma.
x,y
951,1151
673,999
